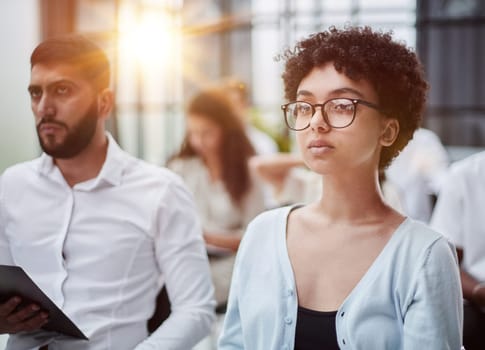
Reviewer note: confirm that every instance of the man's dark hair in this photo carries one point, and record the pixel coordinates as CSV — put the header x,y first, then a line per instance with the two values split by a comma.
x,y
390,67
76,50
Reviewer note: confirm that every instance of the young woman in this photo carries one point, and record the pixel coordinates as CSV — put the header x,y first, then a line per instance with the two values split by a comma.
x,y
346,271
213,161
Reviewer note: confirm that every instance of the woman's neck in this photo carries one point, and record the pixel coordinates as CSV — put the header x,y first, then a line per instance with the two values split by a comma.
x,y
352,198
214,167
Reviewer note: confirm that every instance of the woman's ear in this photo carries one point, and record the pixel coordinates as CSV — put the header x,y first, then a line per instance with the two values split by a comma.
x,y
390,132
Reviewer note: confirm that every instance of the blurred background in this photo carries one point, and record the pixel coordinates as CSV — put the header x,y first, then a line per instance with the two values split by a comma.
x,y
163,51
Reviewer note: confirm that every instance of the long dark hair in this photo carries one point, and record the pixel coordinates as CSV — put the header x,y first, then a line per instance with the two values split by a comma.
x,y
235,148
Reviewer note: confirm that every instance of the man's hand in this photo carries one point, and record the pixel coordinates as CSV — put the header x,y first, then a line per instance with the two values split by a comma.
x,y
27,318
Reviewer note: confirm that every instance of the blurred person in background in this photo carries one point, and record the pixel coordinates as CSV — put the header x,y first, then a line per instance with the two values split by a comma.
x,y
94,227
238,93
263,143
459,215
417,174
213,161
346,271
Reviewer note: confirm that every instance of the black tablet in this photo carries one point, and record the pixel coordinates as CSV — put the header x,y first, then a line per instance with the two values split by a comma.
x,y
15,282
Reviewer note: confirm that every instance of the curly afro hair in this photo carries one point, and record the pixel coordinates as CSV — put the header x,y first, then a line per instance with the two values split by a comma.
x,y
361,53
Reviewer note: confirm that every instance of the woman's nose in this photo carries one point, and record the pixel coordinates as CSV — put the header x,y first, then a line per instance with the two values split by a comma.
x,y
317,121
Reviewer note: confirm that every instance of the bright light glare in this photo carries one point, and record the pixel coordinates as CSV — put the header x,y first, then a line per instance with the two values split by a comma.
x,y
150,39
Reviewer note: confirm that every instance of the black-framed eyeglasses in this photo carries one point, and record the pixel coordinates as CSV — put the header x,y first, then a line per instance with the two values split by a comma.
x,y
337,112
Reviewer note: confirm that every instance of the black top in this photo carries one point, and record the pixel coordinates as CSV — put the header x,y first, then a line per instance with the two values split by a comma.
x,y
315,330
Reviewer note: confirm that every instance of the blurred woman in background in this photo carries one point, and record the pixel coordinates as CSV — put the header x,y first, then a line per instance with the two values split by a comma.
x,y
213,161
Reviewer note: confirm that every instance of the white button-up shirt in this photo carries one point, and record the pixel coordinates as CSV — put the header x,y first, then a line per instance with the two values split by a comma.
x,y
101,249
459,212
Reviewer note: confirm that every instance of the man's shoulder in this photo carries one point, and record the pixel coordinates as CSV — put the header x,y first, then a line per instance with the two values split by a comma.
x,y
18,171
142,169
133,168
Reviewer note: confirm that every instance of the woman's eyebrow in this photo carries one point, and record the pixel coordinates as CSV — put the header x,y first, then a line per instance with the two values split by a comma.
x,y
304,93
346,90
335,92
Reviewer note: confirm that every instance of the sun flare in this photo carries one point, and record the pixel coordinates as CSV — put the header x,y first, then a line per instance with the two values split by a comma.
x,y
150,39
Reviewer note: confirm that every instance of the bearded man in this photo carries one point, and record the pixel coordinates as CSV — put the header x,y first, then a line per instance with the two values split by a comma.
x,y
99,231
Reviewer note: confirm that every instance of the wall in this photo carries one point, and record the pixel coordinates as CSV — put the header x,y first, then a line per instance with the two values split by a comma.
x,y
19,33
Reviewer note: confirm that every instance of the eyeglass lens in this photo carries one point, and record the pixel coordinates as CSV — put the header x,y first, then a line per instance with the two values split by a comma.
x,y
338,113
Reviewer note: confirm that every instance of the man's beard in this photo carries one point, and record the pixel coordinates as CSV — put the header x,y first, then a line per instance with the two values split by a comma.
x,y
77,137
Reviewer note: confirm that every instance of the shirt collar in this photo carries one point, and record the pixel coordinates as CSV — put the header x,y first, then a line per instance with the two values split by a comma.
x,y
111,172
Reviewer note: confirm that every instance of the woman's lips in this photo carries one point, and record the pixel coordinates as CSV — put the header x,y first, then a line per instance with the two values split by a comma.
x,y
319,147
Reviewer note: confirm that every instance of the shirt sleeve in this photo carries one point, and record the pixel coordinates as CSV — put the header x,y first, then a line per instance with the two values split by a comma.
x,y
449,210
184,265
434,316
231,337
5,255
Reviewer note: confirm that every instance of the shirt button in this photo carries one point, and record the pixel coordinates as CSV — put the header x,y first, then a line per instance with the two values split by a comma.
x,y
285,347
342,314
290,292
343,341
288,320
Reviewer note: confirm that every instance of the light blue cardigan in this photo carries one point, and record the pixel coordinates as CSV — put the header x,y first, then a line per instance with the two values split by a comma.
x,y
410,298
